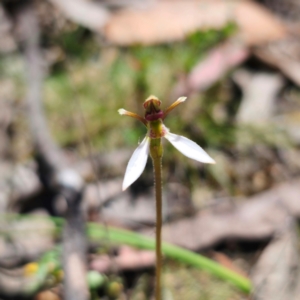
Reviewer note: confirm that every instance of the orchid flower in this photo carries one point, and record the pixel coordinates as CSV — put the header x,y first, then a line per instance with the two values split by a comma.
x,y
153,120
151,144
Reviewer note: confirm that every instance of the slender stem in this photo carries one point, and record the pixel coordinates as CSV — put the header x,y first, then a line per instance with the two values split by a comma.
x,y
158,194
156,152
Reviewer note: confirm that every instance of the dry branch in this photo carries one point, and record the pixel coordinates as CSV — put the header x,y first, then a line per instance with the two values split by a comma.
x,y
55,172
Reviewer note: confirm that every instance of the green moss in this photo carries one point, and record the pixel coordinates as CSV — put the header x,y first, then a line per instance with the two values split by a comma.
x,y
189,283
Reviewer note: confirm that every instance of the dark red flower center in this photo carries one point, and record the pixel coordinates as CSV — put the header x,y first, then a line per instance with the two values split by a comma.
x,y
152,116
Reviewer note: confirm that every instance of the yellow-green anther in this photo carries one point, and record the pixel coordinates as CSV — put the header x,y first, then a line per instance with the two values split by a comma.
x,y
152,102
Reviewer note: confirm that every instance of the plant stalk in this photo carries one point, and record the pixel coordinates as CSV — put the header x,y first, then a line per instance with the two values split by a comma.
x,y
158,195
156,154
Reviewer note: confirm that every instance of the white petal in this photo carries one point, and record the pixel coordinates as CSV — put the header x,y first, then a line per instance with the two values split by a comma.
x,y
137,163
189,148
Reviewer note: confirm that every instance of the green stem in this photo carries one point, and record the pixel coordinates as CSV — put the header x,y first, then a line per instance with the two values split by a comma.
x,y
156,152
158,193
97,232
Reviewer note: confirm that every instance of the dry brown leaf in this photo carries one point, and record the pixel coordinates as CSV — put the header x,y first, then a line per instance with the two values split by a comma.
x,y
166,21
228,263
257,218
260,90
127,259
276,274
218,61
87,13
47,295
284,55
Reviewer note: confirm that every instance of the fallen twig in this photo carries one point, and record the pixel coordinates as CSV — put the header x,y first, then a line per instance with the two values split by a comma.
x,y
55,172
